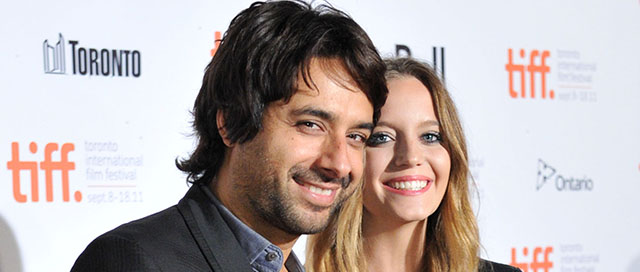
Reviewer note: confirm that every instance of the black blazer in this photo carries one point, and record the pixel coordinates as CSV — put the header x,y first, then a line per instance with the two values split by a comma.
x,y
488,266
170,240
173,240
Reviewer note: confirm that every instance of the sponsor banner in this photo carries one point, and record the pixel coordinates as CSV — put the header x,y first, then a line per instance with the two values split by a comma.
x,y
570,257
437,60
89,61
93,172
96,107
561,182
565,75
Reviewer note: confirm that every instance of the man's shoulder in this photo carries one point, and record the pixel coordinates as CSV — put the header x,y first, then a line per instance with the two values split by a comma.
x,y
489,266
148,229
158,240
159,229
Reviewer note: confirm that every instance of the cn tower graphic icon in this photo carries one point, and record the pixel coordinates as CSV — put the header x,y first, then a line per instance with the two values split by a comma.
x,y
53,56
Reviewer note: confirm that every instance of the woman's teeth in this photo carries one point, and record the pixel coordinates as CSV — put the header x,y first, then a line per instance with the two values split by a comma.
x,y
414,185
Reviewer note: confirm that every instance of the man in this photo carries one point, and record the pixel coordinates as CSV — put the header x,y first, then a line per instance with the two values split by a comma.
x,y
282,117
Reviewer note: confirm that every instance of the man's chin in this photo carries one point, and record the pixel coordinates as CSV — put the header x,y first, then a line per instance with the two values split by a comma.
x,y
312,221
312,228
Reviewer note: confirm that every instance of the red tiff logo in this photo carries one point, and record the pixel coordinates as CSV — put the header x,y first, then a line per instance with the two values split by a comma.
x,y
217,39
536,265
533,69
48,165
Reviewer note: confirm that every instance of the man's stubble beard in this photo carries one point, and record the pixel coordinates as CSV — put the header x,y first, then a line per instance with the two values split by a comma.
x,y
268,197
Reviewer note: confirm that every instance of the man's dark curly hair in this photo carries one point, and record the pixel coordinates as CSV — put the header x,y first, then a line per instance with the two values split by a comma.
x,y
258,62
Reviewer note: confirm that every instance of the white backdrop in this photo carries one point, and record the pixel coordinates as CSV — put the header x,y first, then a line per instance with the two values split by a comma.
x,y
557,174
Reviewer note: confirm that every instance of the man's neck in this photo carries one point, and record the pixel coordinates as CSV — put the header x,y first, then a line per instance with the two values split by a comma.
x,y
223,189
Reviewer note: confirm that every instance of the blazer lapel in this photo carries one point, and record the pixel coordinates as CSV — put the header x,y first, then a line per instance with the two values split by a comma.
x,y
216,241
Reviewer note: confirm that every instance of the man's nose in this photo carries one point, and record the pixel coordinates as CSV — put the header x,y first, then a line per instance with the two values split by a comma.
x,y
335,158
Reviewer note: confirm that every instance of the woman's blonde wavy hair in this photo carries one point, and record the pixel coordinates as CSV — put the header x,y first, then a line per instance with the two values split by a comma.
x,y
452,239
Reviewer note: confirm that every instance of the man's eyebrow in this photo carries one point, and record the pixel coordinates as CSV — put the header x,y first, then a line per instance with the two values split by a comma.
x,y
322,114
368,126
315,112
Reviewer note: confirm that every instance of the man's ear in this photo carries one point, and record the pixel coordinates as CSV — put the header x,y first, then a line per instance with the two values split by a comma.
x,y
221,129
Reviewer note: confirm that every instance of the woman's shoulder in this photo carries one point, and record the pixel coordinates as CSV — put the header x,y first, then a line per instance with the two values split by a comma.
x,y
489,266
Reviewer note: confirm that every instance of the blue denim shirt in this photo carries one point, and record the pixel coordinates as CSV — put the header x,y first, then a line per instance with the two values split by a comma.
x,y
263,255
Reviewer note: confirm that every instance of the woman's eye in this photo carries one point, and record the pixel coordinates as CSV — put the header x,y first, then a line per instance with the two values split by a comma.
x,y
377,139
432,138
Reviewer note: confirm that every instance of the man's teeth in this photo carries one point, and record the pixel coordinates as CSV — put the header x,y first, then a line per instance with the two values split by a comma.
x,y
319,191
414,185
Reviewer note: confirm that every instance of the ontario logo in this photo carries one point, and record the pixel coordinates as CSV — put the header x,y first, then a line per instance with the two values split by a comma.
x,y
536,260
86,61
61,163
548,174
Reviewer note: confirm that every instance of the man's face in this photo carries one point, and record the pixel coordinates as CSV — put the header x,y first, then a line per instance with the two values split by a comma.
x,y
309,156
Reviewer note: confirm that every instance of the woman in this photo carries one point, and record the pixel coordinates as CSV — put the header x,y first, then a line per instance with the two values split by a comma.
x,y
412,212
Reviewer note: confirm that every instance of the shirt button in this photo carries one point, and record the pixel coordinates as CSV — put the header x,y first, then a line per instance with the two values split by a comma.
x,y
271,256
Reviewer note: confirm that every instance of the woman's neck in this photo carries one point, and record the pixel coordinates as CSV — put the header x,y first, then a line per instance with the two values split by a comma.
x,y
390,245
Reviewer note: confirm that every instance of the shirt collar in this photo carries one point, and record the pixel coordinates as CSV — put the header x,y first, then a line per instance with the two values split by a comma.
x,y
262,254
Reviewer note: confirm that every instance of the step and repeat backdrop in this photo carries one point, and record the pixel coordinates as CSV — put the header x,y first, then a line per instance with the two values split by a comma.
x,y
96,98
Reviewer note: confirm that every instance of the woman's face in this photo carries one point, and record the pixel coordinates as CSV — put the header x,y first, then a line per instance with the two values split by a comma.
x,y
407,167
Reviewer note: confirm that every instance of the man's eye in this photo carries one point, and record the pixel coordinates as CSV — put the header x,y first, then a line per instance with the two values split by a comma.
x,y
432,138
358,137
309,124
377,139
309,127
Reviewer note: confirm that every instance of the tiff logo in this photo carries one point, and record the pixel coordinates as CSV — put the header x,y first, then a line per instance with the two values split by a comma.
x,y
54,56
542,68
217,38
536,265
15,165
436,55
